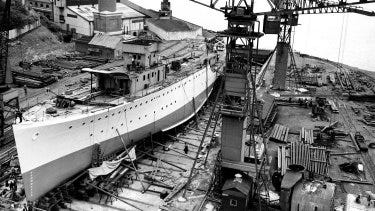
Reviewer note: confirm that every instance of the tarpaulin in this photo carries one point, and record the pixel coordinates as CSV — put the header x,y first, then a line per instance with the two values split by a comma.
x,y
108,167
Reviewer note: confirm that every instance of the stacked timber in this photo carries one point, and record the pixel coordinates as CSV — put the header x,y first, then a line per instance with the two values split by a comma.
x,y
279,133
306,136
313,159
318,160
282,159
300,154
33,80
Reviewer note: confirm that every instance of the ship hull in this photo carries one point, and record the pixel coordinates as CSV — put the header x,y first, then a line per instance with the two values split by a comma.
x,y
39,179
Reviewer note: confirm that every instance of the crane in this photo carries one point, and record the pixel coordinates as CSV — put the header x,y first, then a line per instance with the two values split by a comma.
x,y
240,105
283,16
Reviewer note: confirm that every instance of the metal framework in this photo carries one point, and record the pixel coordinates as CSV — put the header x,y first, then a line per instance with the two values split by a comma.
x,y
4,37
287,12
240,106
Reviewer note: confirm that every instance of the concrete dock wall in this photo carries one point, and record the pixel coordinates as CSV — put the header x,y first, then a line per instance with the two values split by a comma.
x,y
14,33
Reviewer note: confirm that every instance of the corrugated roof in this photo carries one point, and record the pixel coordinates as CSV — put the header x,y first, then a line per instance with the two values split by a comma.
x,y
107,41
244,186
170,25
87,11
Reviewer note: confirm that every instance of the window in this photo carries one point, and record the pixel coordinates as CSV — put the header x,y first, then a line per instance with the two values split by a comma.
x,y
47,5
139,57
71,16
148,76
233,202
144,77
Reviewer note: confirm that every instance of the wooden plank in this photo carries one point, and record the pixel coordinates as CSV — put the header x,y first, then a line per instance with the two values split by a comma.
x,y
286,135
302,138
275,129
284,163
279,133
175,190
279,158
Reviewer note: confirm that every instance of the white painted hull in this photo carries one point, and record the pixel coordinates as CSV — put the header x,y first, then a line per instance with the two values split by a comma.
x,y
52,151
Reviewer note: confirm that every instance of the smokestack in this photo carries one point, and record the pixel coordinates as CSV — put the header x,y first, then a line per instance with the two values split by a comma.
x,y
107,5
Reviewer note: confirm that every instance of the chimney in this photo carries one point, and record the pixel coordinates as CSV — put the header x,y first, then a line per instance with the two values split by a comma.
x,y
107,5
165,9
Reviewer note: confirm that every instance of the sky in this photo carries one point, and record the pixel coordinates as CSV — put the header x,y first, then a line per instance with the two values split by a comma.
x,y
347,38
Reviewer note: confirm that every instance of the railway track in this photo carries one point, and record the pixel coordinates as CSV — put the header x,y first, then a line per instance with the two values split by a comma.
x,y
365,155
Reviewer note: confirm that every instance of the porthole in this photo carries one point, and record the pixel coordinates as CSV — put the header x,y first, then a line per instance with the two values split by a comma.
x,y
131,121
101,131
83,123
113,128
113,114
139,118
70,127
140,104
99,118
119,112
171,103
162,108
122,124
131,108
146,102
91,134
146,115
92,121
106,116
135,106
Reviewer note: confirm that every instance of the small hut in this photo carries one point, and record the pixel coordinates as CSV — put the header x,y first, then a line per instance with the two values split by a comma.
x,y
236,193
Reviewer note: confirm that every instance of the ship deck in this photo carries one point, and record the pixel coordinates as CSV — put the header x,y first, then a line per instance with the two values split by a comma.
x,y
101,101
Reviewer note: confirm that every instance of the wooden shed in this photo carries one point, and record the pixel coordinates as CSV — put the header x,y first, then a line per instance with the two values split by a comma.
x,y
236,193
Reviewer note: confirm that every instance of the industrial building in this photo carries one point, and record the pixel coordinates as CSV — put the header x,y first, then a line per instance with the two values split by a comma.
x,y
43,7
109,26
80,19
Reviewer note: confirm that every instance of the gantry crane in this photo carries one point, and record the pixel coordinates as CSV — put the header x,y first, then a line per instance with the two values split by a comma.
x,y
284,16
240,105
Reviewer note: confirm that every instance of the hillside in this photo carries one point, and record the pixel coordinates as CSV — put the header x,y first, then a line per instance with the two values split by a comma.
x,y
35,45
